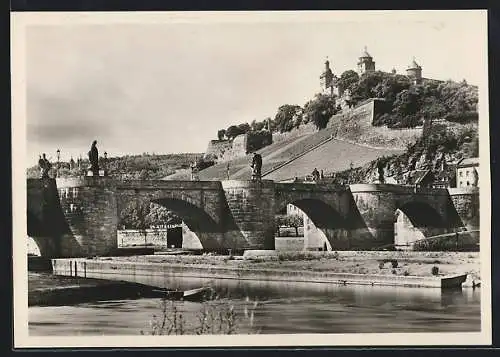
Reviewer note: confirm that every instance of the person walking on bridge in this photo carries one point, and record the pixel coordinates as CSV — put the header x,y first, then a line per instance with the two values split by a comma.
x,y
315,174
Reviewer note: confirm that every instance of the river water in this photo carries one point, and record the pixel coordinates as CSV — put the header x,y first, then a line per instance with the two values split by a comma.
x,y
277,308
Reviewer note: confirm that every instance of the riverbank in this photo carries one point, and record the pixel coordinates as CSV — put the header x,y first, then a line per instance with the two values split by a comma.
x,y
375,268
45,289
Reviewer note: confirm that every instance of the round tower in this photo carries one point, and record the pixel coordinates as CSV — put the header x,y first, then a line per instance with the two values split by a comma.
x,y
414,71
327,79
365,63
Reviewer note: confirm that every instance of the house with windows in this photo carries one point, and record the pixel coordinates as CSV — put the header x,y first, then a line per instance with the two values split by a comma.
x,y
468,172
419,178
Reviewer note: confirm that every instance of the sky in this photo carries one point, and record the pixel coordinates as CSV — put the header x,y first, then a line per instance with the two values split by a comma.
x,y
168,86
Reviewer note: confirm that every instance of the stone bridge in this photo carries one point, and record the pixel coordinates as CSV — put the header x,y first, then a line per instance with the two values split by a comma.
x,y
79,216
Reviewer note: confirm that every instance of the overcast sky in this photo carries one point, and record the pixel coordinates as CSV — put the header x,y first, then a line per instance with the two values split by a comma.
x,y
168,87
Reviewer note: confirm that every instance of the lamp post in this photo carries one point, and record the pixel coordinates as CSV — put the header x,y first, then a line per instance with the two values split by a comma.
x,y
58,152
105,163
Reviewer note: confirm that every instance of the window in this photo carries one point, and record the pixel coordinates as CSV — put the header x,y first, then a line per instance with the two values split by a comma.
x,y
461,184
467,173
460,173
468,183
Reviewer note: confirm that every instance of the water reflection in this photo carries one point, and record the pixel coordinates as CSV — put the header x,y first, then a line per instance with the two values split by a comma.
x,y
283,307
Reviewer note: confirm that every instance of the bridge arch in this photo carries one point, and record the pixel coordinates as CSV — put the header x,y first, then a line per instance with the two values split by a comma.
x,y
324,225
415,221
206,229
40,234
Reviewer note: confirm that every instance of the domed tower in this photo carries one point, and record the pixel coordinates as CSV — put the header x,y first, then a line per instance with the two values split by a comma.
x,y
414,71
327,79
365,63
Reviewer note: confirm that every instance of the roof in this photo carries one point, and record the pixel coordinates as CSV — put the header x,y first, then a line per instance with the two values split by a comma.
x,y
417,176
472,161
365,53
414,64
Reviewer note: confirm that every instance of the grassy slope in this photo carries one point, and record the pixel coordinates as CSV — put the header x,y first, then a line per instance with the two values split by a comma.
x,y
334,155
235,166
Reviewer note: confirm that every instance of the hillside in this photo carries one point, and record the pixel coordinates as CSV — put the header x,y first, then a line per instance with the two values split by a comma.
x,y
298,156
146,166
238,167
439,152
335,155
356,125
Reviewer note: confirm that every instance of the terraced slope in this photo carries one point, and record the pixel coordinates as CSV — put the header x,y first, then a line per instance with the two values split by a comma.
x,y
298,156
334,155
237,166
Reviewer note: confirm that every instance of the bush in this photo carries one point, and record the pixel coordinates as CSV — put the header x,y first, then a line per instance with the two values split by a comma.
x,y
435,270
406,273
214,317
462,117
394,263
258,139
381,265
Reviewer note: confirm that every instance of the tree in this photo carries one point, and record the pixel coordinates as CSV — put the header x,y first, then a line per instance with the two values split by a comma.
x,y
432,108
347,80
221,134
233,131
257,125
244,127
320,110
258,139
365,87
295,221
134,216
284,119
407,102
389,86
159,216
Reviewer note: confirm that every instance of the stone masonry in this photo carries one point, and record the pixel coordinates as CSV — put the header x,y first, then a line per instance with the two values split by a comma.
x,y
81,218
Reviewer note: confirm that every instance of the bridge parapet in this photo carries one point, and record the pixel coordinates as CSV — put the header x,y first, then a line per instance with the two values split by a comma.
x,y
85,181
309,187
397,189
168,185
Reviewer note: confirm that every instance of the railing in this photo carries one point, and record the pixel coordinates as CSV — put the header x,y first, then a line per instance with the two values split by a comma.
x,y
447,235
463,231
303,152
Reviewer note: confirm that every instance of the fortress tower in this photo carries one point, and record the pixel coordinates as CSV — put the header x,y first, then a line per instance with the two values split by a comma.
x,y
365,63
327,80
414,71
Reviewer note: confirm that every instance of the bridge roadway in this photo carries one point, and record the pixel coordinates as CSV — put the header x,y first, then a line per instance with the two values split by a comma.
x,y
79,216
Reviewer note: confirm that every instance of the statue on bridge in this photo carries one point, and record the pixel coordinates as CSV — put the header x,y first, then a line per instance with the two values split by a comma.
x,y
94,159
256,167
44,166
194,171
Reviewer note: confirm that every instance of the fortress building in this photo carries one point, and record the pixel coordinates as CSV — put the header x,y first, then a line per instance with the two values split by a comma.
x,y
414,71
365,63
328,80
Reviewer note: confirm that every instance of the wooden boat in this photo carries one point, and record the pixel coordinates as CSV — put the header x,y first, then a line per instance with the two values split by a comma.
x,y
199,294
454,281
